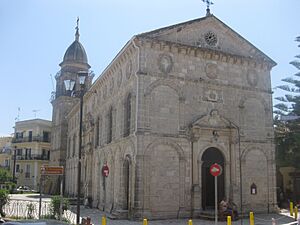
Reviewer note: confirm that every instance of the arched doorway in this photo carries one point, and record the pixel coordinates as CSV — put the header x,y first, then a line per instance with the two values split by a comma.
x,y
209,157
126,180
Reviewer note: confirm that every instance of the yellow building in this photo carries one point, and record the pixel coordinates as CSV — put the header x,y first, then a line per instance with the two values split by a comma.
x,y
5,151
30,150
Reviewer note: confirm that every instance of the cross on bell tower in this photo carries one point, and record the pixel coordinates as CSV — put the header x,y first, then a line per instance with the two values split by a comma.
x,y
208,4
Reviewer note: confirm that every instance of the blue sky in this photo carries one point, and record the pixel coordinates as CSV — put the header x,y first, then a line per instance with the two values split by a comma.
x,y
34,35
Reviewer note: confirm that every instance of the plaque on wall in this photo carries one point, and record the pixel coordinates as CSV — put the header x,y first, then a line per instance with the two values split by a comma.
x,y
211,70
165,63
212,95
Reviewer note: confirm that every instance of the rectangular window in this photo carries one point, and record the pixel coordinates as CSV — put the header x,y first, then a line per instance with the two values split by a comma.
x,y
17,168
27,172
19,151
30,136
19,135
46,136
27,153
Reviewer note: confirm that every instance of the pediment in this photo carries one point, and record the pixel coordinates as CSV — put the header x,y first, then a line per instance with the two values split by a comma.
x,y
210,33
211,120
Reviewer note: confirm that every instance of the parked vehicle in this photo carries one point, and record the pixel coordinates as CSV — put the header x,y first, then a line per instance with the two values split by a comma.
x,y
24,189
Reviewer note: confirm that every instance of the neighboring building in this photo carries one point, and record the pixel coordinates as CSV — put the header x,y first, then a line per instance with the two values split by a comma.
x,y
5,152
172,102
31,149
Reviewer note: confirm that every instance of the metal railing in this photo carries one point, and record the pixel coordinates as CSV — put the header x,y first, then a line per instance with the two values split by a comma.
x,y
31,139
29,209
32,157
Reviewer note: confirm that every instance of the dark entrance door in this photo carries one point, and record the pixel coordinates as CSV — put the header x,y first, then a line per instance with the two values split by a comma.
x,y
209,157
126,183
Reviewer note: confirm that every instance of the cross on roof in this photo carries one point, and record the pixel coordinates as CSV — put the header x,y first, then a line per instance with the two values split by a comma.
x,y
208,4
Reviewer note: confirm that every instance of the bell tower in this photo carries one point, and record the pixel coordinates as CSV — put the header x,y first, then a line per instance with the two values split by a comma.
x,y
74,63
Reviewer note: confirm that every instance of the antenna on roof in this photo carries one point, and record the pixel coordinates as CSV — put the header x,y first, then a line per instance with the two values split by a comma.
x,y
18,117
208,4
35,111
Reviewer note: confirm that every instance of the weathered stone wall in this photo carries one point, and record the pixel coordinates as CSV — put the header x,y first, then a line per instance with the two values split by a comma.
x,y
185,100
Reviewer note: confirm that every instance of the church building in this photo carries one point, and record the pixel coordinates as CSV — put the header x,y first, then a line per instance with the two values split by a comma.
x,y
172,102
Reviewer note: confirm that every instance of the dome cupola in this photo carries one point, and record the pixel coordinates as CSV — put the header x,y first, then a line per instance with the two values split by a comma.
x,y
75,53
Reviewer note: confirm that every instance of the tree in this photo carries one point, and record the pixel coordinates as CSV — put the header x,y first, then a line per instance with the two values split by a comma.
x,y
5,176
55,205
287,119
4,198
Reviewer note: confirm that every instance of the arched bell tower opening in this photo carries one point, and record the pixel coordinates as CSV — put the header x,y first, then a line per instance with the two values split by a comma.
x,y
210,156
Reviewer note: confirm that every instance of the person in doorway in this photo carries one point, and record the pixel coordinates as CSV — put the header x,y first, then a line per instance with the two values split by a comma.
x,y
232,209
223,209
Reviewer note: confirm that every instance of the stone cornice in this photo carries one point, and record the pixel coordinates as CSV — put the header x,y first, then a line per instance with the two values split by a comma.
x,y
210,82
205,53
125,53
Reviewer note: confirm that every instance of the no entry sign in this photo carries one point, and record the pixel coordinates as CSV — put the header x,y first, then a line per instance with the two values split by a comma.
x,y
105,171
215,170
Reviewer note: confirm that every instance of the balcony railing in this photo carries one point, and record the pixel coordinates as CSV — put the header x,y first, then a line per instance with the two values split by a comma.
x,y
31,139
31,157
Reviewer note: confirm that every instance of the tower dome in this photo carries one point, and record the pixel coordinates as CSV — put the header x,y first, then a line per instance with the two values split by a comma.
x,y
75,53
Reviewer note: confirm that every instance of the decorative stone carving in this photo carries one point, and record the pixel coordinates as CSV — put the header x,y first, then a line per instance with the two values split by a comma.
x,y
211,70
211,38
252,78
165,63
128,69
214,117
111,86
211,95
119,78
104,92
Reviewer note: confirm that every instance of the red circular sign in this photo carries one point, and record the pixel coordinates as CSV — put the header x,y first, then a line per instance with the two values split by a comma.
x,y
105,171
215,170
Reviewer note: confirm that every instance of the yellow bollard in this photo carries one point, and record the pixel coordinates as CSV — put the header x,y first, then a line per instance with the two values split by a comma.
x,y
190,222
228,220
145,222
296,212
291,208
103,220
251,218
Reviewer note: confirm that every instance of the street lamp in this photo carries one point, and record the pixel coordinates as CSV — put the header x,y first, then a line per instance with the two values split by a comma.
x,y
14,165
69,84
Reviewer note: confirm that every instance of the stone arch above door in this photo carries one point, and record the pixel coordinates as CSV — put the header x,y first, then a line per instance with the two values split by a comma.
x,y
210,156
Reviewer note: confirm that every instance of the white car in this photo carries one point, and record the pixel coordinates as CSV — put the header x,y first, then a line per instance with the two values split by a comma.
x,y
21,189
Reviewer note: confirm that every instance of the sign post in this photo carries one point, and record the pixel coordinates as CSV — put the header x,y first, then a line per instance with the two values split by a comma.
x,y
216,170
52,170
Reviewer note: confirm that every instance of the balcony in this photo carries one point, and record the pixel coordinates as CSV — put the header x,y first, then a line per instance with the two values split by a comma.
x,y
31,139
31,157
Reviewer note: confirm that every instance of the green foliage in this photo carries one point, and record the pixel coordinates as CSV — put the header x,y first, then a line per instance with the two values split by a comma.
x,y
4,198
55,204
287,132
30,210
5,175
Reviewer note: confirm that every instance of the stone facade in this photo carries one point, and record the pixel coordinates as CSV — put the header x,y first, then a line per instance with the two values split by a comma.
x,y
171,103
